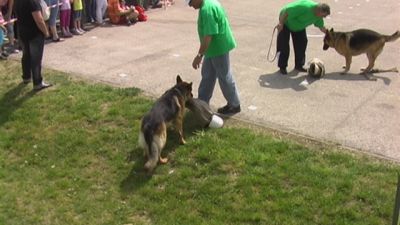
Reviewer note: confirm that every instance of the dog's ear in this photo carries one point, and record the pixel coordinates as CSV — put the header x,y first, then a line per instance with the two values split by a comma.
x,y
178,79
331,30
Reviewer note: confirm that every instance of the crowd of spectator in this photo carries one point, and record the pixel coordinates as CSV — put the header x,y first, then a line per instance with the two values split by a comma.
x,y
68,18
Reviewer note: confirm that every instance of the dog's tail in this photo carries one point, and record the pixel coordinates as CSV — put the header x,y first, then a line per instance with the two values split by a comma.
x,y
152,142
153,157
392,37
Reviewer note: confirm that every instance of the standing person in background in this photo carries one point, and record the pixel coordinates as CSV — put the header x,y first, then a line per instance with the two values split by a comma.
x,y
294,18
3,55
54,9
101,8
6,9
216,41
90,11
78,8
65,17
32,31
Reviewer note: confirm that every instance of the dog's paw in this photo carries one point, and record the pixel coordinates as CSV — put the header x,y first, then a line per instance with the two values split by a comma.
x,y
370,77
182,141
163,160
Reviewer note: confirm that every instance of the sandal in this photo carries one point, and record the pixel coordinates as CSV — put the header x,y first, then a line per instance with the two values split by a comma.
x,y
58,40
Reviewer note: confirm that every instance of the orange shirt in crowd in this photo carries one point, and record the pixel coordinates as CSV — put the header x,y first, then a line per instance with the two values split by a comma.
x,y
114,8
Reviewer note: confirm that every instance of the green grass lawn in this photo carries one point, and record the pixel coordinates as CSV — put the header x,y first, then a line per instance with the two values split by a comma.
x,y
69,155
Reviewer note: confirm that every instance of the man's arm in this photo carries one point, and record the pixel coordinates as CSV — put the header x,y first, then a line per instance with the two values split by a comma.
x,y
37,16
282,20
203,48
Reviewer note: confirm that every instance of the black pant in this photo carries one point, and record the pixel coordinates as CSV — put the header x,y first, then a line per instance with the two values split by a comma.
x,y
32,54
299,44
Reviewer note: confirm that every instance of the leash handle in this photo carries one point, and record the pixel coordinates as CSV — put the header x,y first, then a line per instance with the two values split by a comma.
x,y
270,45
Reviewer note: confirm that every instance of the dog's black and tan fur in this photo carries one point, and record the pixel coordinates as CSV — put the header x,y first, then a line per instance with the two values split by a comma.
x,y
170,107
358,42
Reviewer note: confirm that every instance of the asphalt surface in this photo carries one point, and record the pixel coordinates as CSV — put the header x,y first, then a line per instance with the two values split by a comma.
x,y
348,110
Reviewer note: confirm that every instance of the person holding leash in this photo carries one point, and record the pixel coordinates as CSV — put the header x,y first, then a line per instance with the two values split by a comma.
x,y
216,40
294,18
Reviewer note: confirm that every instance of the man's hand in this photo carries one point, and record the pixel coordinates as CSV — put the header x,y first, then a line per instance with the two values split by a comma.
x,y
323,30
196,61
279,27
282,20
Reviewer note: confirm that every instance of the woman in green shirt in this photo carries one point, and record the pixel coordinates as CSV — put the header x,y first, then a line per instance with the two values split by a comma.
x,y
294,18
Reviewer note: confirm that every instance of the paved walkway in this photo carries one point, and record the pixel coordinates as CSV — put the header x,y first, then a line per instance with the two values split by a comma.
x,y
348,109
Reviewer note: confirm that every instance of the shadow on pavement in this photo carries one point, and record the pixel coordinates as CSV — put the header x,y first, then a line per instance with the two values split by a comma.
x,y
278,81
354,77
299,83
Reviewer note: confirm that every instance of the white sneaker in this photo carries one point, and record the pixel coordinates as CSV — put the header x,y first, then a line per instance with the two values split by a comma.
x,y
75,32
41,86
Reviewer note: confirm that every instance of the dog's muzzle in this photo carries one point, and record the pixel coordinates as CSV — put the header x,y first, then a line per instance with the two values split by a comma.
x,y
325,47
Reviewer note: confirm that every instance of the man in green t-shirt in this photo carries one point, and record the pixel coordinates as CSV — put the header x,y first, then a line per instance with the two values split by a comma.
x,y
294,18
216,41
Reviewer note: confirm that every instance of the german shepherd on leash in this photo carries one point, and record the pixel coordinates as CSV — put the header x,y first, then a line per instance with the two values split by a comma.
x,y
357,42
170,107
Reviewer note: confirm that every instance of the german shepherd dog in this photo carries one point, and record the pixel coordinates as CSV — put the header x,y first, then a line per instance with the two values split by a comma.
x,y
170,107
357,42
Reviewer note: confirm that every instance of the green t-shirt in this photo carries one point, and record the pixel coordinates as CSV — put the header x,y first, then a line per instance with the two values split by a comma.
x,y
212,21
301,14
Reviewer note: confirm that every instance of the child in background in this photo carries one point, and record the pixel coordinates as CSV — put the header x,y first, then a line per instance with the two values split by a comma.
x,y
119,13
101,8
65,17
52,21
3,55
7,14
78,8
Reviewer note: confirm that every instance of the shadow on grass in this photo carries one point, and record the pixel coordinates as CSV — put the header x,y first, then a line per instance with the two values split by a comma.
x,y
138,177
11,101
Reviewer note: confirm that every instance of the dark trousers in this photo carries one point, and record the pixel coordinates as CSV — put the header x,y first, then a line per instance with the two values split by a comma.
x,y
299,44
32,54
90,10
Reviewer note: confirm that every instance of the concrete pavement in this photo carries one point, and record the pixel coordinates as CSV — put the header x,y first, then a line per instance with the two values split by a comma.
x,y
348,110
